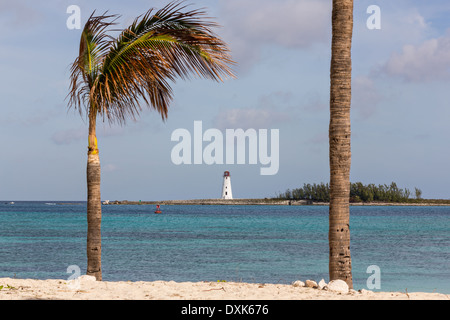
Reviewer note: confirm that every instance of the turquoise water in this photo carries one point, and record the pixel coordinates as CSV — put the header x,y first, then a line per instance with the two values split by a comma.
x,y
271,244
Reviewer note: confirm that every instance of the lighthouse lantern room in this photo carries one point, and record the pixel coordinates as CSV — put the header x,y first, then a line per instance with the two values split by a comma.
x,y
226,188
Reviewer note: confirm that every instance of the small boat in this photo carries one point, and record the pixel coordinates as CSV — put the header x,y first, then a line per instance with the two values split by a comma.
x,y
12,202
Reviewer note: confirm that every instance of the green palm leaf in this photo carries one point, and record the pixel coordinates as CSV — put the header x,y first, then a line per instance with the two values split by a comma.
x,y
156,49
93,43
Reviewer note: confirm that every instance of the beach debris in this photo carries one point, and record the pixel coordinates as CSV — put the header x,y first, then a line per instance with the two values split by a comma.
x,y
352,291
364,291
8,287
74,284
222,288
311,284
339,286
322,284
86,278
298,283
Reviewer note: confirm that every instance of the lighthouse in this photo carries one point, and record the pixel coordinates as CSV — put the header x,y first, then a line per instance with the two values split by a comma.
x,y
226,188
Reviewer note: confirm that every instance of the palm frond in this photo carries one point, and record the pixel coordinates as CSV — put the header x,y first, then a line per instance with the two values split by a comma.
x,y
84,70
153,51
118,75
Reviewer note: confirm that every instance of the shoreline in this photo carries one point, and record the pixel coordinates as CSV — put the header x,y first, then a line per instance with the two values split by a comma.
x,y
264,202
86,288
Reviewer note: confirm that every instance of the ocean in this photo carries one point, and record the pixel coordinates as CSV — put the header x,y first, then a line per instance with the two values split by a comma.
x,y
393,248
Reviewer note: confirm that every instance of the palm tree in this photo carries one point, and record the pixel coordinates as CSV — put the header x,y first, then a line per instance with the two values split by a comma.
x,y
112,77
340,264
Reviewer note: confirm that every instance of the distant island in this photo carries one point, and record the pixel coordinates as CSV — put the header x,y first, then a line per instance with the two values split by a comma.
x,y
316,194
273,201
362,194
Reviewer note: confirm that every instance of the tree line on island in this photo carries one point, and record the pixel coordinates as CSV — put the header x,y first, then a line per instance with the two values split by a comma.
x,y
358,193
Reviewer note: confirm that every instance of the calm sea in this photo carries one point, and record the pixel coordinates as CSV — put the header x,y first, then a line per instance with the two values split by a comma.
x,y
261,244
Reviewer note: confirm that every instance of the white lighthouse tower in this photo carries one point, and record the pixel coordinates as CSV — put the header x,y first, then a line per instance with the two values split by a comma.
x,y
226,189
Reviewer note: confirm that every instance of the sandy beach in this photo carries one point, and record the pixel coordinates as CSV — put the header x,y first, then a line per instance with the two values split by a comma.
x,y
85,288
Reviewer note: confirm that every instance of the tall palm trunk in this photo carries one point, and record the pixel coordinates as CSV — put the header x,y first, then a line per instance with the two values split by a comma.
x,y
340,265
116,76
94,209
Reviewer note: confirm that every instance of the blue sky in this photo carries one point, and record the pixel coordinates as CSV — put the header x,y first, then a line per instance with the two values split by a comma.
x,y
400,106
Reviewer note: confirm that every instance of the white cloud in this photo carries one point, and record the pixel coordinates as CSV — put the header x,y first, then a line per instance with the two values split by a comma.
x,y
365,96
251,25
69,136
20,14
315,102
246,118
415,18
103,130
427,61
110,168
271,109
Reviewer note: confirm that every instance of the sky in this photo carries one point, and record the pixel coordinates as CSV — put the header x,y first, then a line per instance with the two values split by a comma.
x,y
400,102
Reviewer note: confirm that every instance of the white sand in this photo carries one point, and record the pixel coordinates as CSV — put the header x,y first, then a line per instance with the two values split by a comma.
x,y
86,289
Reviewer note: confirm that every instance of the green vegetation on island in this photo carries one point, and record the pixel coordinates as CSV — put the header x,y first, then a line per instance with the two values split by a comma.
x,y
358,193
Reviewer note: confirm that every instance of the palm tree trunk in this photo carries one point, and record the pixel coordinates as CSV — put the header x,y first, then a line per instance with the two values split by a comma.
x,y
94,209
340,265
